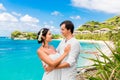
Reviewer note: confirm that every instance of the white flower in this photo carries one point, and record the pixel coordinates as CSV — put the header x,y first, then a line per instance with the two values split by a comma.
x,y
40,35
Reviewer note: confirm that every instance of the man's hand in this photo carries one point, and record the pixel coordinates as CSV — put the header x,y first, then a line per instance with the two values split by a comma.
x,y
48,68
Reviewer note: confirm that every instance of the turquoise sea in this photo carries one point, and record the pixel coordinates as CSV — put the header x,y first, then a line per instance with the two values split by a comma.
x,y
19,60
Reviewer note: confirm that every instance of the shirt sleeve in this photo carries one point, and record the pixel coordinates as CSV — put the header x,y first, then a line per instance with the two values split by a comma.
x,y
74,53
58,48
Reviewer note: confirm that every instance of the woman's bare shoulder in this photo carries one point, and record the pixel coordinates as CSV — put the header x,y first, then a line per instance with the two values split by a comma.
x,y
40,50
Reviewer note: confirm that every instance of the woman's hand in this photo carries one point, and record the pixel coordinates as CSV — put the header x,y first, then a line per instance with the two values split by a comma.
x,y
67,49
48,69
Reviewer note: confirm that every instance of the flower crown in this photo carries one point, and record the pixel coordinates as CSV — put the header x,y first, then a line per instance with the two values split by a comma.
x,y
40,35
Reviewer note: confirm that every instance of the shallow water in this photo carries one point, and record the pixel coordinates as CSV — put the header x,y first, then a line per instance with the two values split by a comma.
x,y
19,61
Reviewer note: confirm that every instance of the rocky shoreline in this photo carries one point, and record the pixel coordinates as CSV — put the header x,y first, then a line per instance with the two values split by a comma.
x,y
86,75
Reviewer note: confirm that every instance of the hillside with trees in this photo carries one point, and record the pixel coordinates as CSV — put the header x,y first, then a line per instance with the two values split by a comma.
x,y
98,30
17,35
112,23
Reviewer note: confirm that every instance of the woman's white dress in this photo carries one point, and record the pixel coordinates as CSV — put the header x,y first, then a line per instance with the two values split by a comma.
x,y
56,73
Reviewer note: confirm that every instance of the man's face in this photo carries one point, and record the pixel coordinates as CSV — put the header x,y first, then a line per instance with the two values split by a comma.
x,y
64,31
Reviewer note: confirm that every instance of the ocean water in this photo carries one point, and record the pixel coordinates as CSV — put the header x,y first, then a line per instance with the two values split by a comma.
x,y
19,60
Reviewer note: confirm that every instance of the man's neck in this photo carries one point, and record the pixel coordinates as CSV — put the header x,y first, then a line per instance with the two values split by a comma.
x,y
69,37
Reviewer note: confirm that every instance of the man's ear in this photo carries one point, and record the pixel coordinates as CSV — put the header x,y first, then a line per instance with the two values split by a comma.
x,y
69,30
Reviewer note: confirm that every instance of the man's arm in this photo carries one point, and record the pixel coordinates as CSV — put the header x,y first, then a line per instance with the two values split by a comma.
x,y
72,57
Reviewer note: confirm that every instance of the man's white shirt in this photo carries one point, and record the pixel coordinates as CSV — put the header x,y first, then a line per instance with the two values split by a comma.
x,y
70,72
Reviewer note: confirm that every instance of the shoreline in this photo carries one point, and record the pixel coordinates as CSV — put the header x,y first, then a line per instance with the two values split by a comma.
x,y
104,49
109,43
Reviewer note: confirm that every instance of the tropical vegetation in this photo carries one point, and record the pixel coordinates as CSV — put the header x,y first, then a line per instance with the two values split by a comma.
x,y
99,31
109,68
29,35
56,36
23,35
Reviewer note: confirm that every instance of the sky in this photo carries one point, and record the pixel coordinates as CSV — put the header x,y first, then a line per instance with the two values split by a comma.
x,y
32,15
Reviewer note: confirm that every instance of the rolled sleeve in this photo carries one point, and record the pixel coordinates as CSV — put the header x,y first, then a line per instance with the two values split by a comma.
x,y
74,53
59,46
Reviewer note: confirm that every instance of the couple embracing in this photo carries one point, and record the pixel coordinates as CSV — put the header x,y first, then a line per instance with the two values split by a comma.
x,y
60,63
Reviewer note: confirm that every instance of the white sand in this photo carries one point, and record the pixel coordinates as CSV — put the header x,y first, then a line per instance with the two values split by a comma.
x,y
103,45
103,48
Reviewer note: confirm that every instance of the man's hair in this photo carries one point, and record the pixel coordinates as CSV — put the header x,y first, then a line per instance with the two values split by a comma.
x,y
68,25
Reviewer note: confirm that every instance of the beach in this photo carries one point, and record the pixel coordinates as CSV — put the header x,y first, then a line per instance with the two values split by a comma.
x,y
91,70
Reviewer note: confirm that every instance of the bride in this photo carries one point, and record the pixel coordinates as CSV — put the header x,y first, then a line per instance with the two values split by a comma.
x,y
48,54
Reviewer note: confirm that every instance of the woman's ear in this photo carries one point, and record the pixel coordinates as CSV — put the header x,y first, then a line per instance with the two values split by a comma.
x,y
43,37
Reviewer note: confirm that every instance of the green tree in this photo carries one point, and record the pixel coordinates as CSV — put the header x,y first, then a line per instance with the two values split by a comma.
x,y
56,36
15,34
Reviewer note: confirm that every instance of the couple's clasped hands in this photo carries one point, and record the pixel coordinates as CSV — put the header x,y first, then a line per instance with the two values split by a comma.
x,y
66,52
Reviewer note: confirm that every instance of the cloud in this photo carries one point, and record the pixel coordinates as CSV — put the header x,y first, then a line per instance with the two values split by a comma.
x,y
28,18
2,7
107,6
75,17
52,28
10,23
8,27
16,14
7,17
56,13
49,22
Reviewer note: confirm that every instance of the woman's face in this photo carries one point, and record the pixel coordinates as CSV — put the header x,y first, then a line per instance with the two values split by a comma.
x,y
48,36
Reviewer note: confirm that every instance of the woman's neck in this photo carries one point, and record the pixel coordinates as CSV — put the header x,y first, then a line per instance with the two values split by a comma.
x,y
46,45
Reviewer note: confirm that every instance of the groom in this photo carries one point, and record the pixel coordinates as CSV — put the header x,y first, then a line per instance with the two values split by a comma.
x,y
68,65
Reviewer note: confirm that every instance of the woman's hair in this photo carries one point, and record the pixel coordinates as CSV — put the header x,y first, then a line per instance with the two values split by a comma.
x,y
42,32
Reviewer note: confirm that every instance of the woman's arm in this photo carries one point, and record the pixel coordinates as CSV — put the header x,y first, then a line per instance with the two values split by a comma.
x,y
53,63
72,58
61,65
